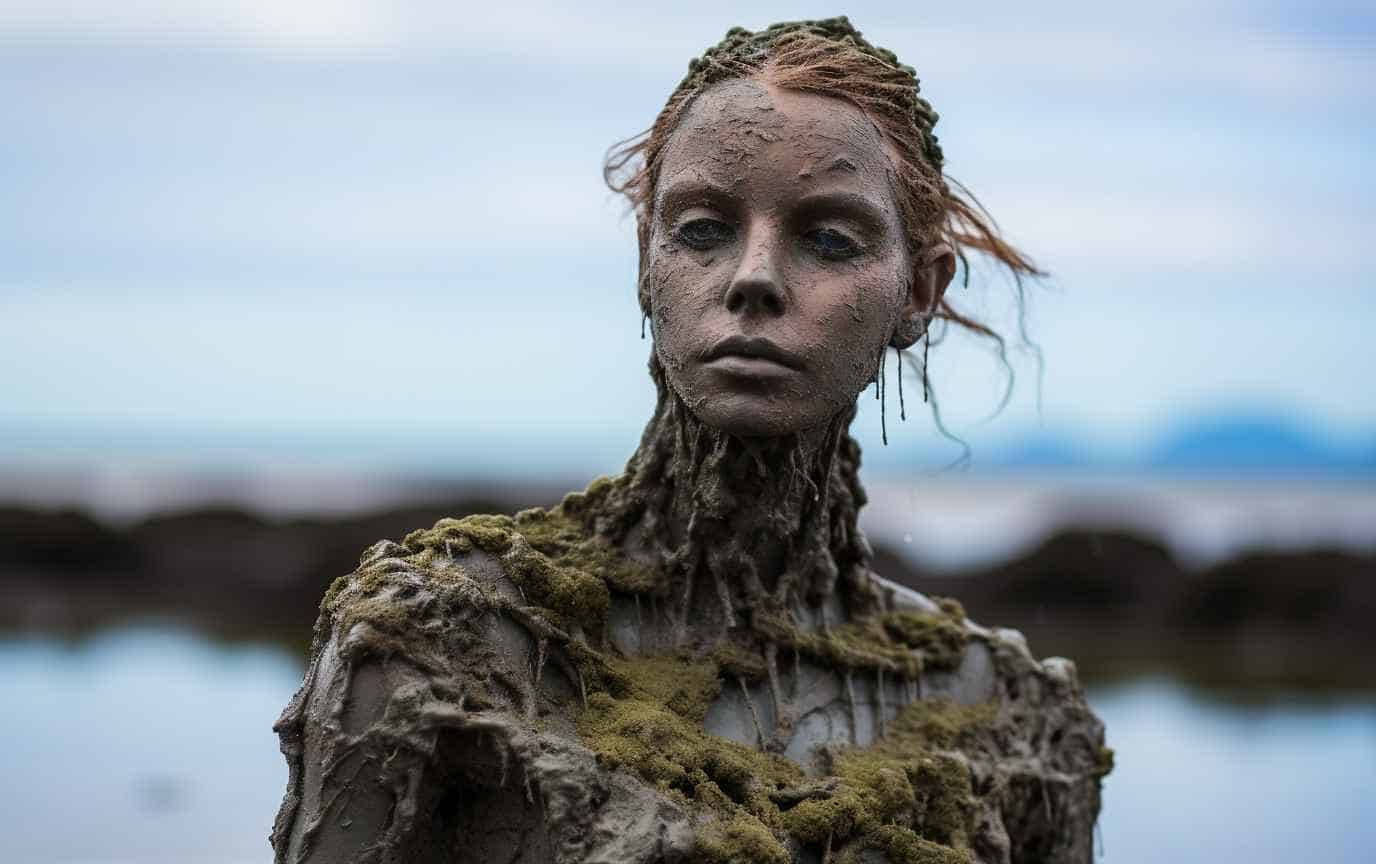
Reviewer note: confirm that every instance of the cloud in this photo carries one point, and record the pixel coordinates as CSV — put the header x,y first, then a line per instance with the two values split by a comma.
x,y
1195,175
309,26
1254,48
1182,229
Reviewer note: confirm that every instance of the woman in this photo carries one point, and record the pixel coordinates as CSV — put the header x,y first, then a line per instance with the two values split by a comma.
x,y
694,661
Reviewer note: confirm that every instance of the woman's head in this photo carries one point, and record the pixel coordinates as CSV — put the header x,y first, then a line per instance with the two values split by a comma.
x,y
793,222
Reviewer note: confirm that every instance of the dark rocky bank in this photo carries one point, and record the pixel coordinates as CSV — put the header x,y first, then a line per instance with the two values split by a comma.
x,y
1119,603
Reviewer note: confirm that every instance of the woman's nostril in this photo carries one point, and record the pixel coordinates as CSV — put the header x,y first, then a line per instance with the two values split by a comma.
x,y
734,301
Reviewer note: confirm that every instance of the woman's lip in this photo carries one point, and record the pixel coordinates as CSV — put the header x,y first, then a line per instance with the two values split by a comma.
x,y
748,367
754,349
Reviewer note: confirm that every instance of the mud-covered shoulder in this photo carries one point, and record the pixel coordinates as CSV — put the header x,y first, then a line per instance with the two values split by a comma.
x,y
506,609
1038,757
470,642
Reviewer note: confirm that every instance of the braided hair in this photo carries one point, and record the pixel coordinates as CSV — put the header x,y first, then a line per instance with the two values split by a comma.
x,y
741,48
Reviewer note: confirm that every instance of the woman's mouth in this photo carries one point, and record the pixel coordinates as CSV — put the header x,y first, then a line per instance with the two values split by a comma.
x,y
750,354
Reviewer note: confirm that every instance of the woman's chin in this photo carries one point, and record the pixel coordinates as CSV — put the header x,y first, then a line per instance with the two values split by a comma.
x,y
751,415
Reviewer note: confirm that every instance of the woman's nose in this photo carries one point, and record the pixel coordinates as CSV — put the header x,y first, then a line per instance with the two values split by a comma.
x,y
755,287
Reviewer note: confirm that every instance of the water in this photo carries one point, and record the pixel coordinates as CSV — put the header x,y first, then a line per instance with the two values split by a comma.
x,y
1202,780
144,745
153,744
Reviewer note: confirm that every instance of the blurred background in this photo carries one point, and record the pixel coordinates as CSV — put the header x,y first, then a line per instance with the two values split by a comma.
x,y
281,279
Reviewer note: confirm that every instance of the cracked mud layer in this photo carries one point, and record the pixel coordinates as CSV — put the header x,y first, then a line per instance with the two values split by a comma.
x,y
613,681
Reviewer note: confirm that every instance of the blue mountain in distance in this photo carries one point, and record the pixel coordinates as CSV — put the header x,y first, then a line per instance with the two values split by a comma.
x,y
1256,444
1232,444
1044,452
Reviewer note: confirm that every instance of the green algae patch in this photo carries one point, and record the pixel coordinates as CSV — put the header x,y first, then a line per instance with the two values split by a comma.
x,y
941,637
558,563
904,847
740,839
737,661
389,591
902,643
656,730
565,539
1103,762
905,795
547,554
681,685
939,722
333,591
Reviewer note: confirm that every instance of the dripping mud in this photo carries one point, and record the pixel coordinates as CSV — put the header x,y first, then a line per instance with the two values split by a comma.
x,y
664,668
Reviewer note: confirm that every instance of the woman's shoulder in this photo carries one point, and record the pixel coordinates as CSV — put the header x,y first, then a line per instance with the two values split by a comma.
x,y
441,593
459,658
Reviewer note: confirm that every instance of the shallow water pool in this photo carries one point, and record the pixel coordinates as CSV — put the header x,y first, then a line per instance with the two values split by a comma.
x,y
153,744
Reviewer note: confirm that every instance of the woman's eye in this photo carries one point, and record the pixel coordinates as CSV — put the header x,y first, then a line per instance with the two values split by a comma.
x,y
831,243
705,233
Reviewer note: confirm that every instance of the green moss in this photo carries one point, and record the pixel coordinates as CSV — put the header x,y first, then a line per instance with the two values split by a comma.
x,y
655,730
577,504
820,821
492,534
737,661
549,554
939,722
684,687
1103,764
902,781
941,637
739,839
370,595
558,534
902,643
905,847
903,795
549,557
598,676
950,607
332,592
571,593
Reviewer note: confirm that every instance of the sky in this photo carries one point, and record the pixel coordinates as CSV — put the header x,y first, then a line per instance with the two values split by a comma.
x,y
384,221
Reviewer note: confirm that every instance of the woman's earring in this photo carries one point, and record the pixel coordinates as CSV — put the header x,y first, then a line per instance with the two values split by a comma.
x,y
909,330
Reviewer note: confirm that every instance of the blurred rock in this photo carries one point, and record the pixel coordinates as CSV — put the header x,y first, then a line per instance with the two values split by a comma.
x,y
1119,602
1122,605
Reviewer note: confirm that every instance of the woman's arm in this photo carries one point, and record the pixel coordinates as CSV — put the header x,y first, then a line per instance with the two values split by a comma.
x,y
402,742
350,800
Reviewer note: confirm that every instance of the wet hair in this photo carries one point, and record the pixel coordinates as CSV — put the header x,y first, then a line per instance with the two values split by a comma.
x,y
830,57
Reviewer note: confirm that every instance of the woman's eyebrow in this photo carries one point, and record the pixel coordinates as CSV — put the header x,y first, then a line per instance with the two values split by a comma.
x,y
849,203
687,192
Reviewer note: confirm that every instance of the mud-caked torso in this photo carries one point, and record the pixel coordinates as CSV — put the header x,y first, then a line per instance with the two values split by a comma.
x,y
544,672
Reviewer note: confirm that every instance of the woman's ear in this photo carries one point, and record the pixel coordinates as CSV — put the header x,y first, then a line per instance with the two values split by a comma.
x,y
642,232
933,273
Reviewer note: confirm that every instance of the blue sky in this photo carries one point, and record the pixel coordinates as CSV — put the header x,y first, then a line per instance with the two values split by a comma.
x,y
351,219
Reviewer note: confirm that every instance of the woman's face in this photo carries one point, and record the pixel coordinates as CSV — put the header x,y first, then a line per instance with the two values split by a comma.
x,y
777,262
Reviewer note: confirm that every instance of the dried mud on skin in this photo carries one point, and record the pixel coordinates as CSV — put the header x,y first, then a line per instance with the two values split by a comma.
x,y
515,729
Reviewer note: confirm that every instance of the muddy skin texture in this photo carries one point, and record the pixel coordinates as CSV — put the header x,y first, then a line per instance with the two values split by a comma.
x,y
693,661
776,238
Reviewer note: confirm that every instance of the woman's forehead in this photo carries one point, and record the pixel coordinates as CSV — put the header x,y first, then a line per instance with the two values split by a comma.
x,y
748,123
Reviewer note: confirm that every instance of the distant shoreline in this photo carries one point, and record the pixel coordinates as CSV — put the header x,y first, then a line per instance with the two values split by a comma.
x,y
1086,571
946,521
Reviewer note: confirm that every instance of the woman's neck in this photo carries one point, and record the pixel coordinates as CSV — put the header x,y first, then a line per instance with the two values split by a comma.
x,y
744,527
